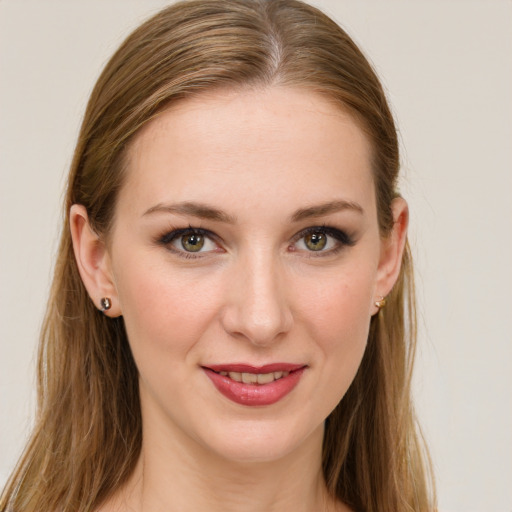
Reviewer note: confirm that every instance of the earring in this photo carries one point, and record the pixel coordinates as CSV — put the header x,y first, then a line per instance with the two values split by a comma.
x,y
380,302
105,304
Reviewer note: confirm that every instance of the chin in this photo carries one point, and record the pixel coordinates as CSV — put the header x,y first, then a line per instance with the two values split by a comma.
x,y
261,441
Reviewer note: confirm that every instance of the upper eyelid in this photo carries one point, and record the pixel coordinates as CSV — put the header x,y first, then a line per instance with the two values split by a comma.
x,y
328,230
344,239
172,234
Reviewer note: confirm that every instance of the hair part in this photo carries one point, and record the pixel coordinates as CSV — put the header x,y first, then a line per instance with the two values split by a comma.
x,y
88,431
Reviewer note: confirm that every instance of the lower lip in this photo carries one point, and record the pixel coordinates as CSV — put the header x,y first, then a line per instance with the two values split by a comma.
x,y
255,394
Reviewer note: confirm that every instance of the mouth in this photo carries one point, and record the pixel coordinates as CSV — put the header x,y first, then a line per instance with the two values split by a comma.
x,y
252,386
254,378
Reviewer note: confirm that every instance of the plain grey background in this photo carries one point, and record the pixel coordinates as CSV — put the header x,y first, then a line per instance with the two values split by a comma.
x,y
447,66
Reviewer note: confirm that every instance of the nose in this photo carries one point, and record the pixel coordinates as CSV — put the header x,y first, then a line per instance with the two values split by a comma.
x,y
257,307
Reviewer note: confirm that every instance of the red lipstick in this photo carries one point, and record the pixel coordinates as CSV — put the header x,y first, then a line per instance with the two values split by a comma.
x,y
263,388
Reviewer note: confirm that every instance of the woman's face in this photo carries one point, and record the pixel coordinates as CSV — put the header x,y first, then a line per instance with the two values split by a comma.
x,y
246,246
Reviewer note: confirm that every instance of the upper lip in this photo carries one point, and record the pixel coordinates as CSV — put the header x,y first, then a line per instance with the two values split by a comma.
x,y
247,368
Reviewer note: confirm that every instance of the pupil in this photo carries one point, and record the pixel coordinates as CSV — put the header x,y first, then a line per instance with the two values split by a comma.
x,y
316,241
193,242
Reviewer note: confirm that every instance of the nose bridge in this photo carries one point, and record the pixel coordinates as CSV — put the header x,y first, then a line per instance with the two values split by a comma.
x,y
258,309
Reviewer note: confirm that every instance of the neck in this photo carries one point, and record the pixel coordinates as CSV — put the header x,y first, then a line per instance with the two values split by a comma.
x,y
175,475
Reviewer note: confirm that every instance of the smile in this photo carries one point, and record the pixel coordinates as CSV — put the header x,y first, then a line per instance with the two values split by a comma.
x,y
252,386
255,378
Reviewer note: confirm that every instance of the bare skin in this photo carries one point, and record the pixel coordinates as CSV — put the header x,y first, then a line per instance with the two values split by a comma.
x,y
246,232
216,485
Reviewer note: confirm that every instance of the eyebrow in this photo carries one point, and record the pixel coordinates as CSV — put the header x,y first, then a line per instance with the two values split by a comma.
x,y
204,211
199,210
326,209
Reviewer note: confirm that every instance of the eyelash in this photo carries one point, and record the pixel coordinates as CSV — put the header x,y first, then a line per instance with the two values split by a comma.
x,y
341,237
167,239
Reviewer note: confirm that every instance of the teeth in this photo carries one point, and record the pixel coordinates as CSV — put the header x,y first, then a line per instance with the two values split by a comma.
x,y
255,378
249,378
265,378
235,376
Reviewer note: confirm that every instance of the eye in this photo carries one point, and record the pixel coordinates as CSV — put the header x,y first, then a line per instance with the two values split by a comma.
x,y
189,241
322,239
316,241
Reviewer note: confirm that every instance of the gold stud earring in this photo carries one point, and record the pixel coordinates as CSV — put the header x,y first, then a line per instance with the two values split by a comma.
x,y
381,302
105,304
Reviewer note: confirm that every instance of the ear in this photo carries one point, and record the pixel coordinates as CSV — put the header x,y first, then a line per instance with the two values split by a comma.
x,y
93,261
392,249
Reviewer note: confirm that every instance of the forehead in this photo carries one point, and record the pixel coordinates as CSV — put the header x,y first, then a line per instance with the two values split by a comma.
x,y
277,144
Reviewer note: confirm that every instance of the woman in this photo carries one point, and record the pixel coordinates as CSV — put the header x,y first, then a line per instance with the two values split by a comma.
x,y
231,323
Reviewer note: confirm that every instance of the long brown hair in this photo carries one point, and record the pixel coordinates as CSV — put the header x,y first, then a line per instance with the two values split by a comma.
x,y
87,436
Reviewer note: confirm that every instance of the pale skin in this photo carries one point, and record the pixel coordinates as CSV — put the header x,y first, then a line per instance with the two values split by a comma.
x,y
267,179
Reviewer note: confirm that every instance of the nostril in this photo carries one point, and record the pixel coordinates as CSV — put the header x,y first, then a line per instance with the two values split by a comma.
x,y
260,327
256,308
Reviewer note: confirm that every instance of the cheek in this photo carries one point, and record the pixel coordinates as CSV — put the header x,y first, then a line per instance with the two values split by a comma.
x,y
338,305
337,313
164,311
